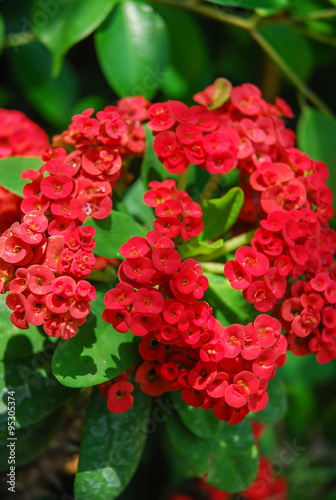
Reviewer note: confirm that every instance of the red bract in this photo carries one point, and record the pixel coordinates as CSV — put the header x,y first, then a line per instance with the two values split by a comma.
x,y
183,347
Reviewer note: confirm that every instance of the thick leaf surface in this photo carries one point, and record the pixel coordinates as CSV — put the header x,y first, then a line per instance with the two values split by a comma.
x,y
135,206
132,48
11,169
112,232
53,98
96,353
31,440
37,392
16,343
277,403
67,23
292,47
111,447
316,136
202,423
229,459
231,303
195,247
220,214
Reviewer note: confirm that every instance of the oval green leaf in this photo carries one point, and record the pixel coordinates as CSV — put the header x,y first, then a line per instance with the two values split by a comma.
x,y
31,440
112,232
229,459
16,343
37,392
292,47
132,48
224,209
96,353
316,134
60,25
11,169
230,303
111,447
202,423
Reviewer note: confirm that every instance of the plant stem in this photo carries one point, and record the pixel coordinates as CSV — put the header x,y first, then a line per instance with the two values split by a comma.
x,y
310,16
213,267
287,70
210,187
215,13
182,180
232,244
18,39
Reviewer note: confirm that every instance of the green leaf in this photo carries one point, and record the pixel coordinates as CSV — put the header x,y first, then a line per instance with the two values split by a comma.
x,y
11,169
202,423
112,232
97,353
16,343
252,4
193,71
224,209
111,447
37,392
195,247
133,203
31,440
277,403
53,98
316,134
292,47
67,23
2,32
231,303
132,49
229,459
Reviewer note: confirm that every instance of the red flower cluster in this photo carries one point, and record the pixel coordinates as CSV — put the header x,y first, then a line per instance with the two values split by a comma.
x,y
177,214
43,274
183,346
290,245
118,393
245,129
19,136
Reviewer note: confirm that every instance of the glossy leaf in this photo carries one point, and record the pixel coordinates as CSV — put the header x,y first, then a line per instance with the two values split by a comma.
x,y
16,343
133,204
112,232
53,98
37,392
132,48
220,214
202,250
202,423
228,460
252,4
194,70
11,169
316,136
111,447
67,23
231,303
277,403
31,440
96,353
292,47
